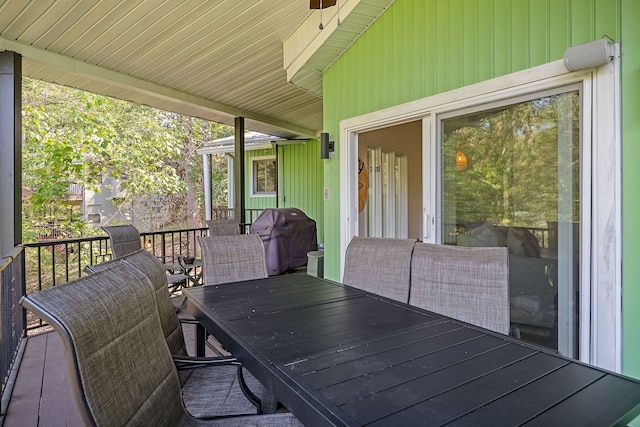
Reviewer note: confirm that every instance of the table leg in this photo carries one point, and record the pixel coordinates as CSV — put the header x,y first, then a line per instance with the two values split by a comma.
x,y
201,337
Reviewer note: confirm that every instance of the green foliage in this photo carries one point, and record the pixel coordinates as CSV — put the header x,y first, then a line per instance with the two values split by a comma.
x,y
80,138
512,176
219,180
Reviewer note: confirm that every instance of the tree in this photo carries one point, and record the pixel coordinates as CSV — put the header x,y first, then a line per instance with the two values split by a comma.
x,y
513,173
75,138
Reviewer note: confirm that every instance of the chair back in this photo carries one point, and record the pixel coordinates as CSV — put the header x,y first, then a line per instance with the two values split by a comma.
x,y
223,227
121,369
467,283
232,258
125,239
142,260
148,264
379,265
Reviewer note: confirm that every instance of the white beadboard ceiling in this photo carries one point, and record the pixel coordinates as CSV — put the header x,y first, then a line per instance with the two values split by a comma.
x,y
215,59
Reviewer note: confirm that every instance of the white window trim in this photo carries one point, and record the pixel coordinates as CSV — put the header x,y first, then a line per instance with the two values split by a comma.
x,y
254,193
601,309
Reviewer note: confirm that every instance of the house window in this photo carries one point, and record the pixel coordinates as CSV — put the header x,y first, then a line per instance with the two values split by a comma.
x,y
263,176
94,218
511,177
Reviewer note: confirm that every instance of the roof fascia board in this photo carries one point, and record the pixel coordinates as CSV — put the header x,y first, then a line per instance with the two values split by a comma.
x,y
308,37
230,148
218,149
127,82
301,46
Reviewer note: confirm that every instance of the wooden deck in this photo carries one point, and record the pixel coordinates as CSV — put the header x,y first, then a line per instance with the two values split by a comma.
x,y
42,393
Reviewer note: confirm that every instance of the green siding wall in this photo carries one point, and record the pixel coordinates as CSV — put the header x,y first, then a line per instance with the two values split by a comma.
x,y
300,181
630,77
419,48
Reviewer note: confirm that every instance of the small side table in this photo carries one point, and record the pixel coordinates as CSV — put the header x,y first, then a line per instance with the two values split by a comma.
x,y
192,271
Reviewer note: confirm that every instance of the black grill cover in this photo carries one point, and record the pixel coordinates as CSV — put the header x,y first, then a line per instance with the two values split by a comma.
x,y
288,235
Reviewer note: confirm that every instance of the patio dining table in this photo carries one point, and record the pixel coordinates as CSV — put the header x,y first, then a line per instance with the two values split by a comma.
x,y
335,355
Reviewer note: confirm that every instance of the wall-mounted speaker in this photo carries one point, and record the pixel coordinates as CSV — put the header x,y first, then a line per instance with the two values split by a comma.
x,y
588,55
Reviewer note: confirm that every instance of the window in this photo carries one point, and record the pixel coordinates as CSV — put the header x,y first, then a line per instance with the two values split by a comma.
x,y
263,176
511,177
94,218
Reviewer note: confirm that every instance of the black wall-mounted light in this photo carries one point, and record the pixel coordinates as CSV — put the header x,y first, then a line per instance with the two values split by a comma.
x,y
326,146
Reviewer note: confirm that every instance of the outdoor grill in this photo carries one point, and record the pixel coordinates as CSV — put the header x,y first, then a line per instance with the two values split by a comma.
x,y
288,235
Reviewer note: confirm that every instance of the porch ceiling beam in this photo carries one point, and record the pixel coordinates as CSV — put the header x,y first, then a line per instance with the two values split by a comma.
x,y
141,86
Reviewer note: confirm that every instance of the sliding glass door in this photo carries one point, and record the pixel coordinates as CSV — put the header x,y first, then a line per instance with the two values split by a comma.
x,y
510,176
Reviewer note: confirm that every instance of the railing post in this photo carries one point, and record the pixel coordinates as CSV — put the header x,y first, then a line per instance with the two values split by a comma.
x,y
238,169
11,149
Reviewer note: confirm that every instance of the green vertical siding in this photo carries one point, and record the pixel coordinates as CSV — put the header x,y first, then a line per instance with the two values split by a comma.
x,y
419,48
300,181
630,76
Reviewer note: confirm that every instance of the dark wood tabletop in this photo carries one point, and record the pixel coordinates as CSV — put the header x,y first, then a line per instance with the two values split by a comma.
x,y
335,355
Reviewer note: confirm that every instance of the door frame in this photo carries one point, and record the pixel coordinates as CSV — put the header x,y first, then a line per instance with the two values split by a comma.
x,y
601,292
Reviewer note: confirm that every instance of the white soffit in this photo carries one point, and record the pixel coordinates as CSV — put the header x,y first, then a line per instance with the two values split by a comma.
x,y
309,51
206,58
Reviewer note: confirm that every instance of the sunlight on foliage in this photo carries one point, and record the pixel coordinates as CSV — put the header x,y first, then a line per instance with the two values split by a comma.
x,y
74,139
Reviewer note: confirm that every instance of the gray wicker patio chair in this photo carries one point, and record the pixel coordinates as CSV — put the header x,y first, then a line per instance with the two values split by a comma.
x,y
223,227
121,369
198,382
125,239
232,258
379,265
468,284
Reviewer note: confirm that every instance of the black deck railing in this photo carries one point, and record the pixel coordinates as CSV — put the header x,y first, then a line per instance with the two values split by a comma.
x,y
13,316
54,262
224,213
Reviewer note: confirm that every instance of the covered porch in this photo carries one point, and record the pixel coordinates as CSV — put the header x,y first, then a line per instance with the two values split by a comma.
x,y
218,61
295,73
